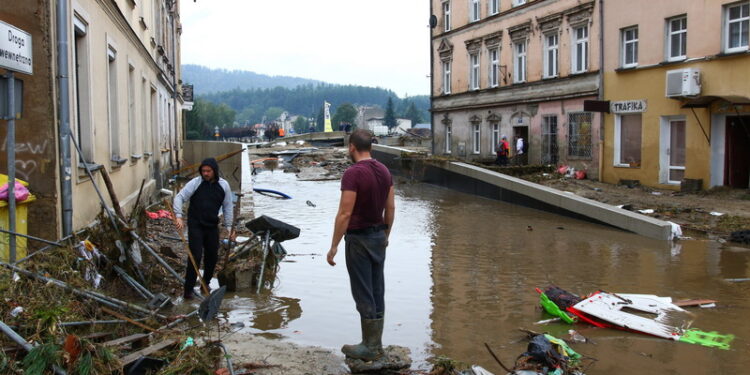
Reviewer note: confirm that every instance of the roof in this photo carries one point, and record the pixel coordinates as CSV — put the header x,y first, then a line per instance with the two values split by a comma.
x,y
706,101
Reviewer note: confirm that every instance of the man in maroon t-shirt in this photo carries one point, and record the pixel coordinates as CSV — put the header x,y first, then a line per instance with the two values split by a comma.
x,y
365,215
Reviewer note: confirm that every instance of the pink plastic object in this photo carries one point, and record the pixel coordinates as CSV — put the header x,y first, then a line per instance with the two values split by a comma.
x,y
21,192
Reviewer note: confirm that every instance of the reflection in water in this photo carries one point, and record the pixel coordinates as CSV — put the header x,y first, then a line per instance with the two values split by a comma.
x,y
461,271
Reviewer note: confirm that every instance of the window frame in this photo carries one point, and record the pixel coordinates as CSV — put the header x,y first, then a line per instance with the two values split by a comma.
x,y
494,7
624,45
495,139
82,78
520,62
446,16
670,33
494,73
476,138
448,138
618,141
113,110
474,66
577,43
546,58
727,26
446,77
475,11
517,3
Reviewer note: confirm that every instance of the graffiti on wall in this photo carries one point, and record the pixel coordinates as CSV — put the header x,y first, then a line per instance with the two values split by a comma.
x,y
30,158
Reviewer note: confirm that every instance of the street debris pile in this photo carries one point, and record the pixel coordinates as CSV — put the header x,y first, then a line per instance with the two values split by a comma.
x,y
255,263
640,313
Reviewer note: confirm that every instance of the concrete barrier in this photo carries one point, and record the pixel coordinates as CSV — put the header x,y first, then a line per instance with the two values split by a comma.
x,y
479,181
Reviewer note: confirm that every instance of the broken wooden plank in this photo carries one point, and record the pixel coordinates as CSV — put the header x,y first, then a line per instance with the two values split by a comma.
x,y
126,339
96,335
693,302
132,357
125,318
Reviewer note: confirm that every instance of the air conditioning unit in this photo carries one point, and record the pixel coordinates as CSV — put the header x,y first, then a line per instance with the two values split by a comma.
x,y
683,82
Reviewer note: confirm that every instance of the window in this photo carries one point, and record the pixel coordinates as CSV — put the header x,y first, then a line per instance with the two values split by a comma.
x,y
494,6
549,140
448,135
630,47
580,53
446,77
447,16
579,134
83,123
737,24
476,138
153,120
495,136
519,68
676,38
494,67
114,123
131,114
474,11
550,55
628,140
518,2
144,116
474,71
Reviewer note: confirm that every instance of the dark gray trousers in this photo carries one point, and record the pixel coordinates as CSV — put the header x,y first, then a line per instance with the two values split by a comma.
x,y
365,258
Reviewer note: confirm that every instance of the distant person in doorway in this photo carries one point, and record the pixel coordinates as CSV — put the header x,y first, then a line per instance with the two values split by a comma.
x,y
207,194
364,219
502,151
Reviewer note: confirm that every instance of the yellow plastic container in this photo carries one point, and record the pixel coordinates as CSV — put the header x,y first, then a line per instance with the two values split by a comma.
x,y
21,223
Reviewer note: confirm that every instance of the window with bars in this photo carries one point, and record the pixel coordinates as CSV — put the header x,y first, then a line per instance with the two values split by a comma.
x,y
549,140
580,134
676,38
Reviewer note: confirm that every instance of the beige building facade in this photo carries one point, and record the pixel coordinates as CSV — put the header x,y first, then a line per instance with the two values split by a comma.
x,y
676,75
520,69
124,101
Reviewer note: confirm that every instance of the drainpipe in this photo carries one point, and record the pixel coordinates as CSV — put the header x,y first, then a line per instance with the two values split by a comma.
x,y
601,87
432,84
66,190
174,84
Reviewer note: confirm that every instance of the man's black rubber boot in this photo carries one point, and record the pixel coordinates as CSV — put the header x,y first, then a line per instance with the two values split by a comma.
x,y
371,347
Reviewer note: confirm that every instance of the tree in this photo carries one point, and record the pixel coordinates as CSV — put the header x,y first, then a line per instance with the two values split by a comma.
x,y
345,114
320,123
390,116
300,125
412,113
273,113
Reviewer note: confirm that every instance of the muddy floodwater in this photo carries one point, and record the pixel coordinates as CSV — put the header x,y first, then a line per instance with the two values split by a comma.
x,y
461,271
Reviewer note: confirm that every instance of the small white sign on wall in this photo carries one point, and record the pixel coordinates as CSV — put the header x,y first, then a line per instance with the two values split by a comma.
x,y
15,49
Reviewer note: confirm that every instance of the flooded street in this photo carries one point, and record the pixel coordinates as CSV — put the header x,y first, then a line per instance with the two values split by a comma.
x,y
461,271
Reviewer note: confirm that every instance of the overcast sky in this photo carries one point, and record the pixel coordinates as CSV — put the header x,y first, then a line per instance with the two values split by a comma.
x,y
383,43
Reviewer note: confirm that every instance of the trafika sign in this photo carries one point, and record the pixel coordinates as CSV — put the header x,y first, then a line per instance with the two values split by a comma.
x,y
15,49
629,106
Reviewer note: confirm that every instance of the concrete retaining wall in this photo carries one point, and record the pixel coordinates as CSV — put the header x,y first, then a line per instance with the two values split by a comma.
x,y
479,181
231,168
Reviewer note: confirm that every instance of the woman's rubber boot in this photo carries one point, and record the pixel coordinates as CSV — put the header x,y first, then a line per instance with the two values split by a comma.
x,y
371,347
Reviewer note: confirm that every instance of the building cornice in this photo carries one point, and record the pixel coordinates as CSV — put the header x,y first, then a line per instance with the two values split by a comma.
x,y
580,85
506,14
115,14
